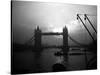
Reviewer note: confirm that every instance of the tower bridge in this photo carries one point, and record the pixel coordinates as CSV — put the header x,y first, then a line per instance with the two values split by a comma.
x,y
39,34
65,47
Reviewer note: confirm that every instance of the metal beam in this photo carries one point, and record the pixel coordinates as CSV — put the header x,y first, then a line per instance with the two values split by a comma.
x,y
85,27
90,22
52,47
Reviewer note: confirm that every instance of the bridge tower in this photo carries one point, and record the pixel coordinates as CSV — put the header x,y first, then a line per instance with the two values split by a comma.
x,y
65,44
65,40
37,48
37,39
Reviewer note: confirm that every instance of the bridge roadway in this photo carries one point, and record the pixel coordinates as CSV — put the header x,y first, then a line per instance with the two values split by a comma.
x,y
51,33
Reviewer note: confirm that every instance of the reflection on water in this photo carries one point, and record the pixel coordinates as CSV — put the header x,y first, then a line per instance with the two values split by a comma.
x,y
49,59
27,60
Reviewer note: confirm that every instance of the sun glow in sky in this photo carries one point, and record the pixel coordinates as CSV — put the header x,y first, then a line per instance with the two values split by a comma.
x,y
72,27
57,30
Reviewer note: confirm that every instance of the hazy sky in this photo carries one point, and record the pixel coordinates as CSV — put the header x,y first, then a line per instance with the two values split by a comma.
x,y
51,17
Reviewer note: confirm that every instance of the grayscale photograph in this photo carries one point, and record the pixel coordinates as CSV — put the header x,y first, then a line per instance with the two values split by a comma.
x,y
52,37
